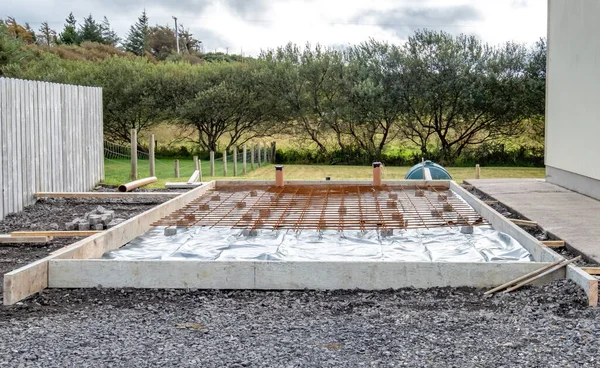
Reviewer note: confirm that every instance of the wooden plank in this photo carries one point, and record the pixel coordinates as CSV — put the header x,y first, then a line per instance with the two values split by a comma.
x,y
7,239
194,177
32,278
181,185
57,234
105,194
523,222
490,202
554,243
591,270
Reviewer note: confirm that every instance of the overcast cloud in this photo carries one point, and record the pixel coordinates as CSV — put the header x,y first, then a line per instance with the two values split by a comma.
x,y
251,25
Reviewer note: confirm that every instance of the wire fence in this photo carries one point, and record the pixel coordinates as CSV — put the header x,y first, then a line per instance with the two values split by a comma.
x,y
117,160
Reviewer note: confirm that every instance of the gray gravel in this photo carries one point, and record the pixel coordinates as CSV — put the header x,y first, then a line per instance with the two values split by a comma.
x,y
548,326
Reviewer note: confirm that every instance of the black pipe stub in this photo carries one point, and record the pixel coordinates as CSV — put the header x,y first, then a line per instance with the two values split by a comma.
x,y
278,168
327,178
376,164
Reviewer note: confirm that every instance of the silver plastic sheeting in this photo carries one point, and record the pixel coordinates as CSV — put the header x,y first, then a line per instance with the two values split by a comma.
x,y
417,245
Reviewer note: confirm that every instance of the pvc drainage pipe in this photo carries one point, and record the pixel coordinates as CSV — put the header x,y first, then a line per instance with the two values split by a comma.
x,y
136,184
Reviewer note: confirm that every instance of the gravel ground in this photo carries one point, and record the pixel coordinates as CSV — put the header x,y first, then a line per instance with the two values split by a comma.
x,y
52,214
535,327
548,326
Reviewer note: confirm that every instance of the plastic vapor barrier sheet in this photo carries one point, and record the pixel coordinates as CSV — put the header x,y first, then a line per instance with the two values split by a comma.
x,y
445,244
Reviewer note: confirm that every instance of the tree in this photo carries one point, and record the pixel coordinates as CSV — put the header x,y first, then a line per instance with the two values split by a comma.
x,y
90,31
161,41
463,91
231,102
69,35
109,36
17,31
373,102
536,83
47,36
137,38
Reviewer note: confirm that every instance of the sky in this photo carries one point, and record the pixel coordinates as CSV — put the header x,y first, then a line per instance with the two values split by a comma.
x,y
249,26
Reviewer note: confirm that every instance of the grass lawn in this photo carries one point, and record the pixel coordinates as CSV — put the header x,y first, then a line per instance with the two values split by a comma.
x,y
117,172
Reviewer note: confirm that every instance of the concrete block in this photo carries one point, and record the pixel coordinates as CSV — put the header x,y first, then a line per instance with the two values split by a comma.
x,y
94,219
98,227
466,229
253,193
204,207
83,225
70,226
106,218
170,231
241,204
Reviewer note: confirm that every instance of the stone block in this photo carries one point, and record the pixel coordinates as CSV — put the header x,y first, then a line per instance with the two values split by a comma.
x,y
170,231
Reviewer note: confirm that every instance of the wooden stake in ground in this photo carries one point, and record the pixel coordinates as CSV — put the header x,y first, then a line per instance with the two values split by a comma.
x,y
176,168
151,155
559,266
477,171
134,163
258,153
200,170
225,163
212,163
512,282
251,157
244,160
234,161
196,163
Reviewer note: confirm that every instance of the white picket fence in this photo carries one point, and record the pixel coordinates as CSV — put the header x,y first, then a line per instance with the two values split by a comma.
x,y
51,138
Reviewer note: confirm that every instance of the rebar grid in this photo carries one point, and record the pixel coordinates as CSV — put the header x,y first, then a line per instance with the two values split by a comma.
x,y
318,207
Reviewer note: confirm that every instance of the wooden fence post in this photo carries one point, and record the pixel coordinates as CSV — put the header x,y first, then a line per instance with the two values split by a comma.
x,y
251,157
273,152
200,170
134,163
225,163
258,153
195,163
176,168
151,154
234,161
212,163
244,160
477,171
265,152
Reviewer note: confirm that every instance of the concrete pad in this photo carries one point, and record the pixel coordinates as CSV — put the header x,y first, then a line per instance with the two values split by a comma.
x,y
570,216
75,273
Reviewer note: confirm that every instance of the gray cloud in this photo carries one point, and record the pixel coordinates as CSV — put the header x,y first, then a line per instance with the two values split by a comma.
x,y
404,21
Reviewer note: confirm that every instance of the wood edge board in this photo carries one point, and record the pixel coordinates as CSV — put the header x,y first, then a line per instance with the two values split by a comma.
x,y
8,238
32,278
523,222
591,270
553,243
58,234
104,194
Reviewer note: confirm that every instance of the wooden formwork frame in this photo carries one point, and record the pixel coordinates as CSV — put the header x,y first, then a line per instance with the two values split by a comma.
x,y
78,266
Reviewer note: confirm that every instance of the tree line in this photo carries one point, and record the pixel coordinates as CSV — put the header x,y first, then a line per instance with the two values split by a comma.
x,y
436,92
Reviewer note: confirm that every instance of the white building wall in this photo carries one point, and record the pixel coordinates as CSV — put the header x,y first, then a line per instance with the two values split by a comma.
x,y
573,95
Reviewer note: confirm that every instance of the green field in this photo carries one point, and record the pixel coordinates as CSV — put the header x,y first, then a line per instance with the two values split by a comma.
x,y
117,172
